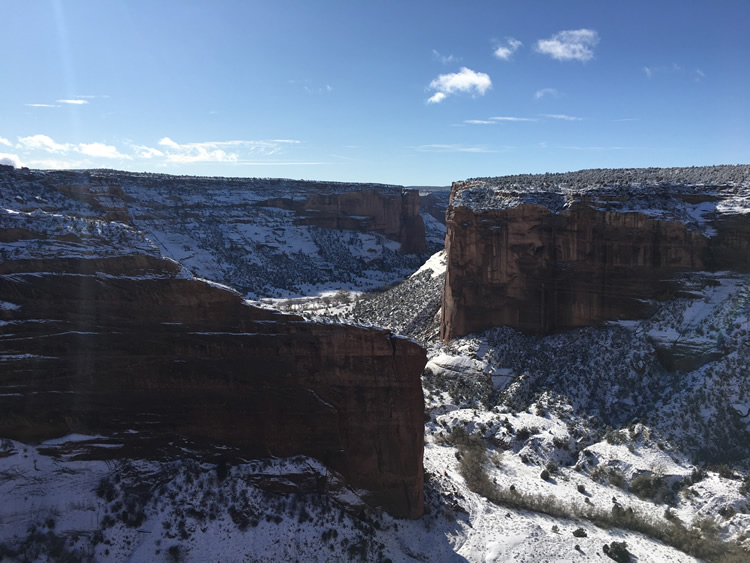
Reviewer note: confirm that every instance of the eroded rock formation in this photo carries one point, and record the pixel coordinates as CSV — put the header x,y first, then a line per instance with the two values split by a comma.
x,y
117,344
544,260
387,212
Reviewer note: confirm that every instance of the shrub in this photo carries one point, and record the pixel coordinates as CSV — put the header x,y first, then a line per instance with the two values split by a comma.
x,y
581,489
651,487
580,533
544,475
525,432
618,551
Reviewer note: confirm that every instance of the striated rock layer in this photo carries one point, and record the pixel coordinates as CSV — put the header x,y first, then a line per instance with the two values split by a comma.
x,y
118,344
392,214
549,259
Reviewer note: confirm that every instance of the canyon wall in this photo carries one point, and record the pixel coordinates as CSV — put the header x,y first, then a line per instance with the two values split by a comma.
x,y
265,237
128,347
390,213
544,260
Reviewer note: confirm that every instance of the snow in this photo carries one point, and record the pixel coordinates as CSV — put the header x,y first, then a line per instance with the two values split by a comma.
x,y
436,265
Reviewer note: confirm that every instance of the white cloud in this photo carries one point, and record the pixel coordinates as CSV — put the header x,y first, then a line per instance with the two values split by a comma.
x,y
146,152
100,150
280,163
505,52
41,106
512,118
552,92
454,148
653,70
42,142
75,102
561,116
496,120
436,98
59,164
10,160
220,151
570,45
579,148
445,59
464,81
5,142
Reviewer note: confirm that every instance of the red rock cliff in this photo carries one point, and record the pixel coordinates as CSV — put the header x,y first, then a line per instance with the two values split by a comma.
x,y
544,262
394,215
115,344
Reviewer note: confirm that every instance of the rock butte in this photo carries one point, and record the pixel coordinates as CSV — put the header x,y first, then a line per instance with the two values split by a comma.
x,y
547,259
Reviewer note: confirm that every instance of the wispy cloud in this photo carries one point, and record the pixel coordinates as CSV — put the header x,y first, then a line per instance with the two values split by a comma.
x,y
5,142
43,143
100,150
551,92
561,116
465,81
48,145
496,120
279,163
625,119
142,151
220,151
699,75
75,102
455,148
651,71
570,45
579,148
505,51
56,164
506,118
444,59
41,106
318,89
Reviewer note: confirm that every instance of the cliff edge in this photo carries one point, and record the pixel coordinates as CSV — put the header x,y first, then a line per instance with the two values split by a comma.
x,y
544,253
100,336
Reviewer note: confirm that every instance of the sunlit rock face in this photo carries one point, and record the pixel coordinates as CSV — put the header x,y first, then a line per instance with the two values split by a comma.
x,y
97,339
549,258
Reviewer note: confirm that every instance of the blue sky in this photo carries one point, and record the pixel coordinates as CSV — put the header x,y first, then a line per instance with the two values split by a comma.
x,y
406,92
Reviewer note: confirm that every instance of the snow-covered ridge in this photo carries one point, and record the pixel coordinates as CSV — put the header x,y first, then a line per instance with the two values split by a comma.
x,y
686,191
224,229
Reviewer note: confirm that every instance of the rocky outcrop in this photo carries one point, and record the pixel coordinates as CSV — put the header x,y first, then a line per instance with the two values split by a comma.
x,y
127,346
393,214
547,259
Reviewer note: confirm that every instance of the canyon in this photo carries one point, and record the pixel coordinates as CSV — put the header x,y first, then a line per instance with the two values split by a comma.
x,y
556,257
103,333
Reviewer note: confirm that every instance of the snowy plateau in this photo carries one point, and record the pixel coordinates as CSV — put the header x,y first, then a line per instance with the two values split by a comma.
x,y
576,446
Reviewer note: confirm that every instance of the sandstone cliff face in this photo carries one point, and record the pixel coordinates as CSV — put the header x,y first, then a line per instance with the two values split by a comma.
x,y
124,343
394,215
549,261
